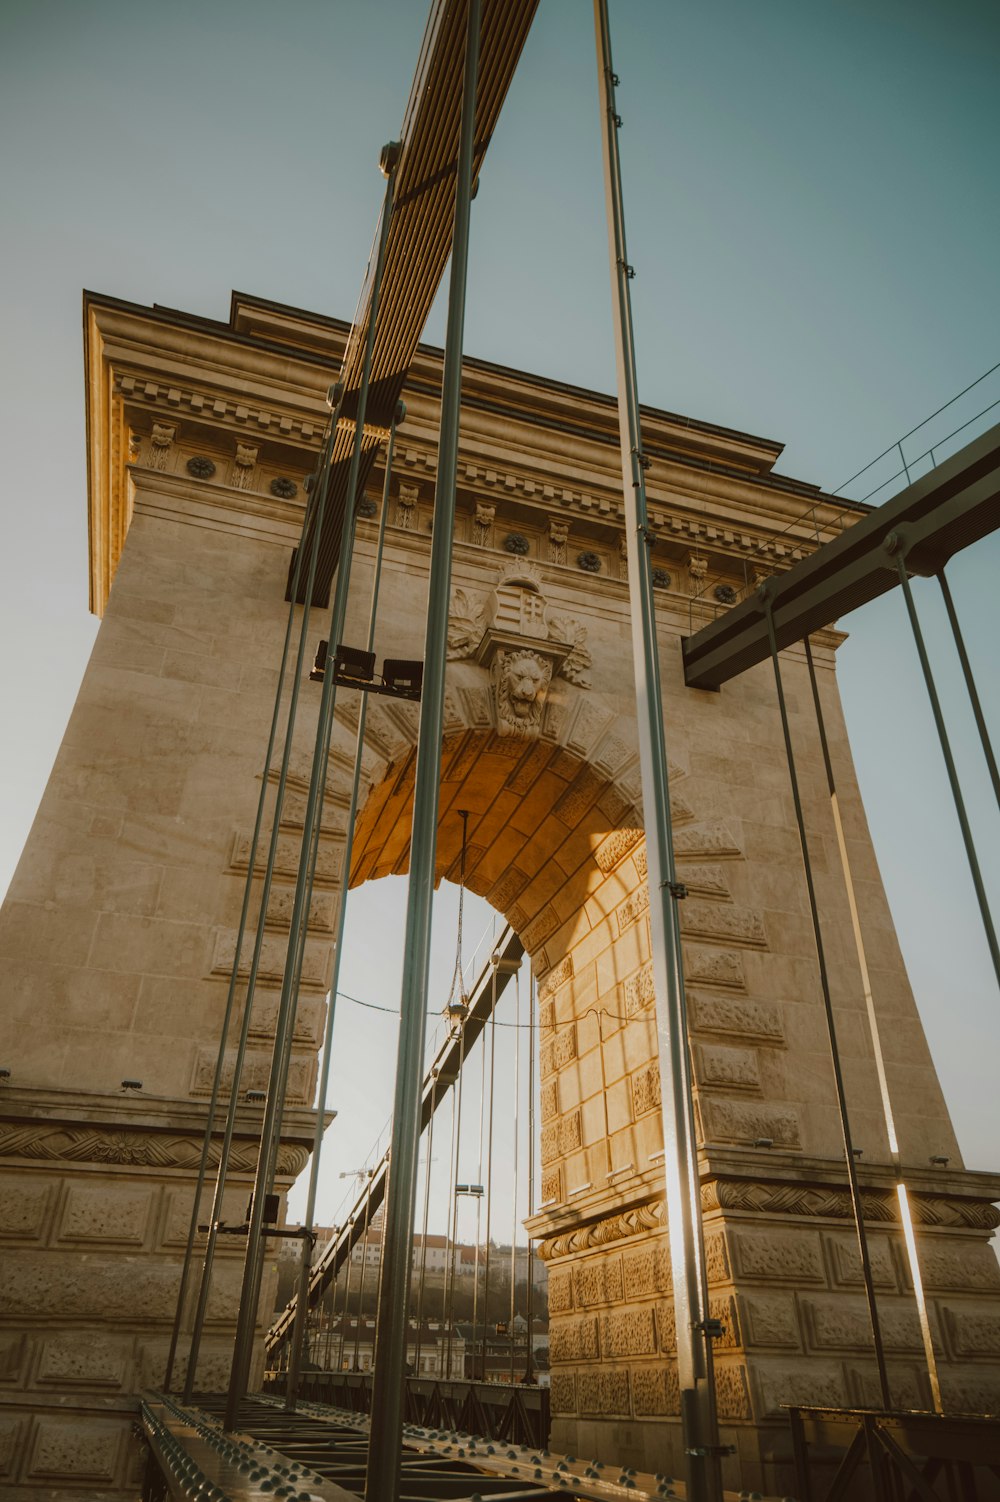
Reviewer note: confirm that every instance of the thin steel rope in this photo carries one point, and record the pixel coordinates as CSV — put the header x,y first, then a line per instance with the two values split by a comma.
x,y
845,1125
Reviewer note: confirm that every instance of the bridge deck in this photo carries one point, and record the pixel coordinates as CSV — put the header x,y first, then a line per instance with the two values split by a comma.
x,y
321,1453
420,234
939,514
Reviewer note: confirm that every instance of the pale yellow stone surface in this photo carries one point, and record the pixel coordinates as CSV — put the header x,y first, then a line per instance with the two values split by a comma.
x,y
119,931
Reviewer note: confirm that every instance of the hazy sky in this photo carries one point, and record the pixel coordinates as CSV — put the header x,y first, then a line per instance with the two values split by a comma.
x,y
813,212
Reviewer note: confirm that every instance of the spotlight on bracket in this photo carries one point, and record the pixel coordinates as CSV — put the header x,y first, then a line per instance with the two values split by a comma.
x,y
762,1142
254,1097
131,1084
940,1162
352,665
857,1151
5,1075
403,677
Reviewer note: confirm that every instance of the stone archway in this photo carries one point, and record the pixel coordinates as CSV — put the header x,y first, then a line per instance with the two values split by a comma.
x,y
556,845
118,934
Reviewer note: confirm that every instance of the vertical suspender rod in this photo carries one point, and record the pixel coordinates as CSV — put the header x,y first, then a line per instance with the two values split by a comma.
x,y
764,594
385,1440
302,1295
895,545
270,1132
905,1212
970,683
680,1163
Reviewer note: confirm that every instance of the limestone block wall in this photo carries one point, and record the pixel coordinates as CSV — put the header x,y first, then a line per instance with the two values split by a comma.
x,y
95,1203
118,936
119,933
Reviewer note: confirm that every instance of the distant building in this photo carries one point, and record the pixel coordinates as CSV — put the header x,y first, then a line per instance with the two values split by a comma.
x,y
347,1344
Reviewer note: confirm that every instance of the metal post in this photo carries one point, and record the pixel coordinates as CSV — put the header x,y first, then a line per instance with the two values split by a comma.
x,y
529,1369
250,1292
680,1167
765,595
385,1439
302,1295
906,1217
423,1239
513,1208
347,1298
479,1216
364,1270
970,683
489,1163
896,547
450,1269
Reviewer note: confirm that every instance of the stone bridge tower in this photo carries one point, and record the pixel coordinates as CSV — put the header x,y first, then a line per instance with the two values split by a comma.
x,y
119,930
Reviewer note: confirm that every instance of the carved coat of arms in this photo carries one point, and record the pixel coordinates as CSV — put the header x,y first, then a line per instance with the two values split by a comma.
x,y
512,632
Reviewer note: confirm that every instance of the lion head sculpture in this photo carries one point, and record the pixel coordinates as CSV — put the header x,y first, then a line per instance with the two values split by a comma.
x,y
521,679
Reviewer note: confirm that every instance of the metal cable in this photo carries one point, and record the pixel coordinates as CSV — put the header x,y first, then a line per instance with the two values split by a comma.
x,y
906,1216
845,1126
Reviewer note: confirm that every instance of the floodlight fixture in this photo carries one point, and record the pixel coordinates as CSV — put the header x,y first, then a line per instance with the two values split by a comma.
x,y
353,665
762,1142
131,1084
402,677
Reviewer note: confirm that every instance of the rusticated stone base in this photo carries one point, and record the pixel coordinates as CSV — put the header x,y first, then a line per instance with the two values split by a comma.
x,y
95,1204
784,1276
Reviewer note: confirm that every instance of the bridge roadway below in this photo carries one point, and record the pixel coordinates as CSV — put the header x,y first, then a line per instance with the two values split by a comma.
x,y
319,1454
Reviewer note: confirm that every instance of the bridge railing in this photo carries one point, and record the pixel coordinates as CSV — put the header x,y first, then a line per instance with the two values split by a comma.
x,y
518,1413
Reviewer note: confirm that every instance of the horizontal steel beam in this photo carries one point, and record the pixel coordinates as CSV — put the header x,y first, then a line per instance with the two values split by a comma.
x,y
944,511
419,241
506,957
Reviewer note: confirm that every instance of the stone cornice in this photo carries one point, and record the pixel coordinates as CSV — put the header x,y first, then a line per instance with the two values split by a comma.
x,y
156,1133
261,379
766,1198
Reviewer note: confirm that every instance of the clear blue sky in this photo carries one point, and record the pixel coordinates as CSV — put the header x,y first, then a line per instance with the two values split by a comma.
x,y
813,211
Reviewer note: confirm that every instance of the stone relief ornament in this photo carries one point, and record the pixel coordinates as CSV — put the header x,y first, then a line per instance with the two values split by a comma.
x,y
512,632
558,538
284,488
520,682
406,505
697,567
160,440
201,467
243,465
482,523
